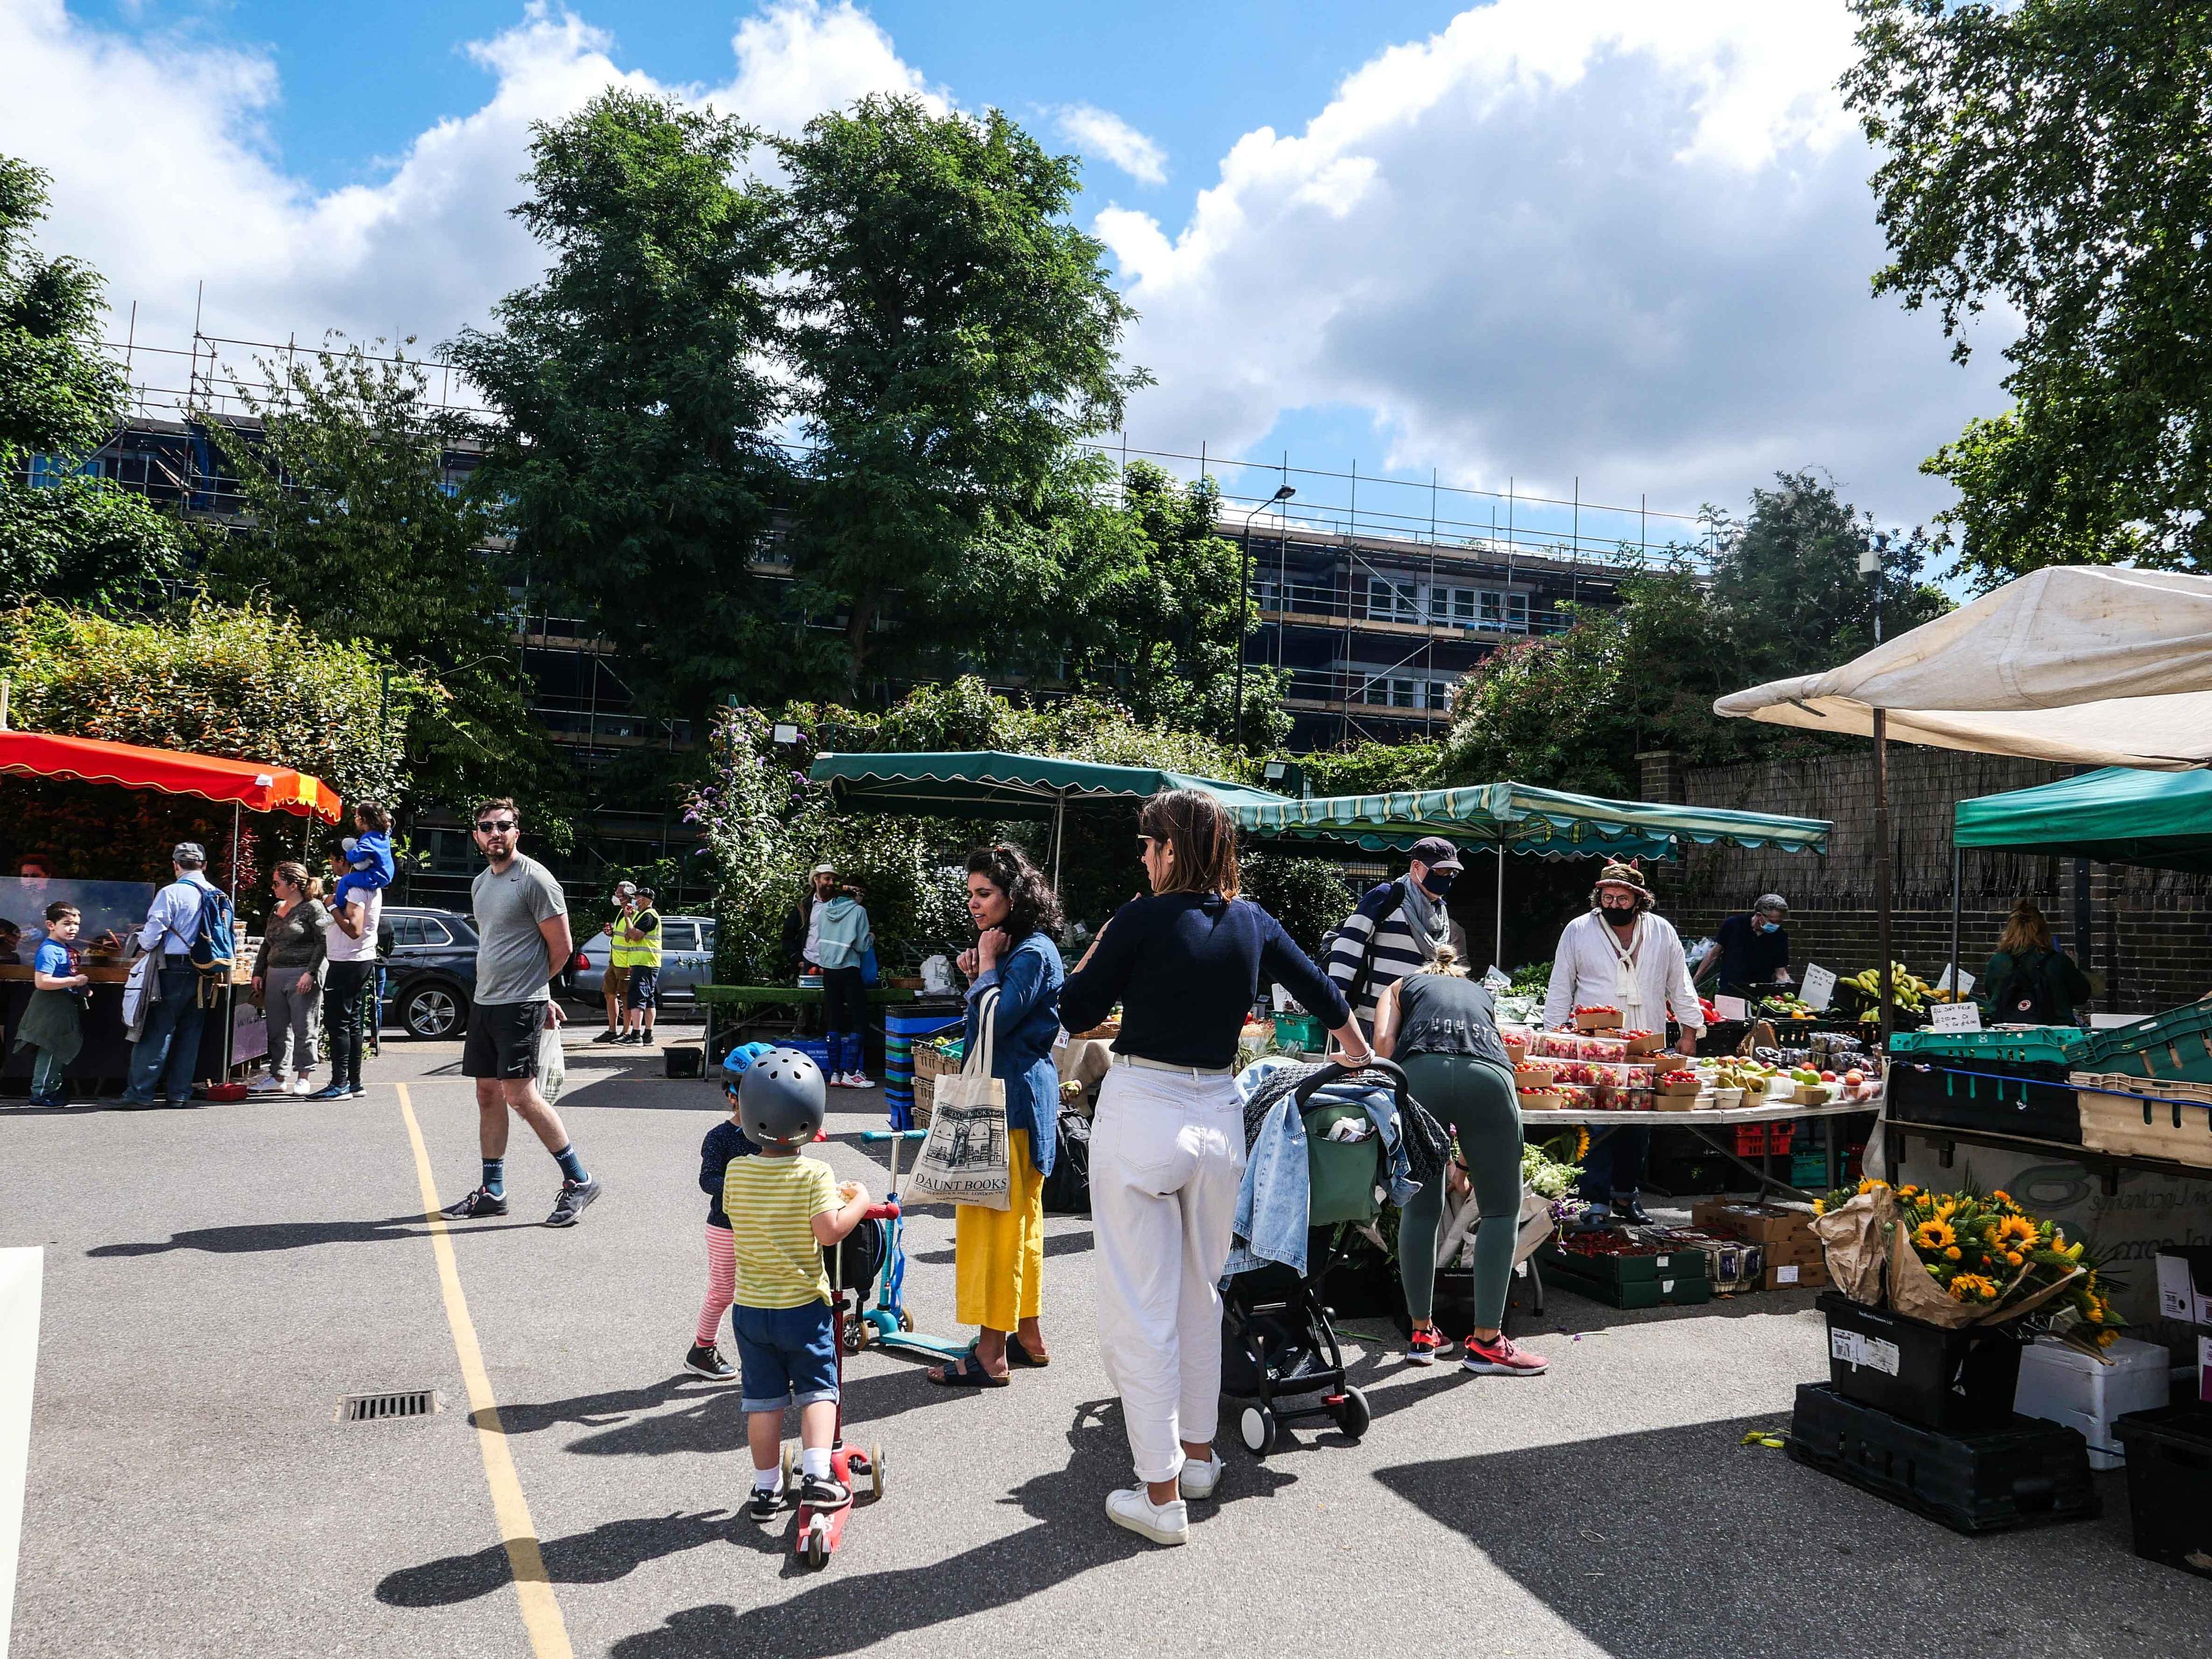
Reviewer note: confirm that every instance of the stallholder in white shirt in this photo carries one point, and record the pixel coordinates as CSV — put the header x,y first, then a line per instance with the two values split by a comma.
x,y
1639,968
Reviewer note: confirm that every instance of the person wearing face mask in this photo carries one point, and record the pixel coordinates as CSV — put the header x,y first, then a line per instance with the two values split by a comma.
x,y
1619,955
1751,953
1396,929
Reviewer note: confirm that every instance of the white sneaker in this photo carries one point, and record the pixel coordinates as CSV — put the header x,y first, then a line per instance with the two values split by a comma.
x,y
272,1084
1198,1480
1163,1523
303,1085
859,1080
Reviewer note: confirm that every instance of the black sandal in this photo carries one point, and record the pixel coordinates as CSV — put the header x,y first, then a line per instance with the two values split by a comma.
x,y
967,1372
1018,1353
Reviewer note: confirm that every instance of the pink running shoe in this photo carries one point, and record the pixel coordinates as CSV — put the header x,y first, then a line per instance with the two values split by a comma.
x,y
1501,1359
1427,1346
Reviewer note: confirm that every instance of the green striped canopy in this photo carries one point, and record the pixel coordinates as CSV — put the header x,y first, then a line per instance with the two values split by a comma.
x,y
1526,819
990,783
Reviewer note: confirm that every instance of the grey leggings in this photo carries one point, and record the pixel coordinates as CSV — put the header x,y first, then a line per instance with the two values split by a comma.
x,y
291,1016
1475,1100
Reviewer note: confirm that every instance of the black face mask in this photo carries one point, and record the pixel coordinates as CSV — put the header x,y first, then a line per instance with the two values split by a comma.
x,y
1618,915
1439,883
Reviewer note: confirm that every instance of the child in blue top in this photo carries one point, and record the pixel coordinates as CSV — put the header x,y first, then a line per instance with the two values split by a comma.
x,y
725,1141
369,855
52,1026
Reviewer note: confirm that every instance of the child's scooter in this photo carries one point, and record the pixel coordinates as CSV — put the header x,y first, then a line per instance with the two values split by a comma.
x,y
820,1531
888,1324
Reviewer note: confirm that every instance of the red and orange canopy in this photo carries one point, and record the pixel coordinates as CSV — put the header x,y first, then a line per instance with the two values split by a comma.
x,y
256,787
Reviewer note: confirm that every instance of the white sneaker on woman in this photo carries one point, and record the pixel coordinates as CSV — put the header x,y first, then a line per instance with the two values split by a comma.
x,y
304,1085
270,1084
1163,1523
1199,1480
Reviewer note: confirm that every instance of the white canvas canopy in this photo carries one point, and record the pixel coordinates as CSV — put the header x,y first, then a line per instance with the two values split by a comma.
x,y
2098,665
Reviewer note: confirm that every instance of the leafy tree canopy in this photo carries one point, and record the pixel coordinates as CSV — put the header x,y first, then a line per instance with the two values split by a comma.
x,y
2048,157
61,397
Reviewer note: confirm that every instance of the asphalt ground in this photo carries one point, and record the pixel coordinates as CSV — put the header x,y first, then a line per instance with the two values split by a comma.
x,y
217,1279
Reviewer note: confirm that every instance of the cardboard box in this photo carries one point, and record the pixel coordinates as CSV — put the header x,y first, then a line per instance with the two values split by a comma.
x,y
1646,1043
2185,1283
1535,1076
1795,1251
1794,1276
1683,1103
1694,1086
1761,1223
1542,1100
1517,1049
1597,1019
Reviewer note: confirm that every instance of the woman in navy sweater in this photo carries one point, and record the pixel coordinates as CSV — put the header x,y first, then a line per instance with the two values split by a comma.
x,y
1167,1149
998,1255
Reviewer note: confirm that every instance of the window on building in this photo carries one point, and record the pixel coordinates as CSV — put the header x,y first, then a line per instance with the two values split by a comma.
x,y
1516,613
1391,601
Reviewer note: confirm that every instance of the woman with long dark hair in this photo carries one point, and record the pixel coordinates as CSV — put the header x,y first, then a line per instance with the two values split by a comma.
x,y
1167,1147
999,1254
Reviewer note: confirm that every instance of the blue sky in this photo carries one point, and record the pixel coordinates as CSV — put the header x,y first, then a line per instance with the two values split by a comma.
x,y
1621,247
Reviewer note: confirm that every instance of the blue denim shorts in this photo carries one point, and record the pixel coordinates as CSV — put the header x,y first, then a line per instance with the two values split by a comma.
x,y
786,1354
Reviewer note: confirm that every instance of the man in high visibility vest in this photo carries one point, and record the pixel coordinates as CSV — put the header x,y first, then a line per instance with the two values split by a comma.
x,y
615,980
638,937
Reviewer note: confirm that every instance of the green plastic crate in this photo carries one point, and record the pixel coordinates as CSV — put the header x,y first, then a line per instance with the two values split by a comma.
x,y
2048,1045
1302,1031
2174,1046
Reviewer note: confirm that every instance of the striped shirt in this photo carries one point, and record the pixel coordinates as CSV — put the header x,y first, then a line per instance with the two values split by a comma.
x,y
772,1202
1397,953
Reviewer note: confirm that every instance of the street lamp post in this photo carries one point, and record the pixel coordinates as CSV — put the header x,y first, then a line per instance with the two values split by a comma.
x,y
1283,493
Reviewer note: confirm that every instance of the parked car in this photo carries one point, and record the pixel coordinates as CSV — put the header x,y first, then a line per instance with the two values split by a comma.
x,y
430,977
687,962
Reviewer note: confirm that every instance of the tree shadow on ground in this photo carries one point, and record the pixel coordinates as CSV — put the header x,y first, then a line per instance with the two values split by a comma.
x,y
611,1551
837,1616
257,1236
1648,1542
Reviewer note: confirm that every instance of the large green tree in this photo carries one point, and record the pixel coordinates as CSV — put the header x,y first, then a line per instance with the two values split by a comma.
x,y
951,337
63,533
2049,160
352,525
633,393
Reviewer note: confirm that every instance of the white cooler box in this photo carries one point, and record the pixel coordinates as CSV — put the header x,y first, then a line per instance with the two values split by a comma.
x,y
2060,1383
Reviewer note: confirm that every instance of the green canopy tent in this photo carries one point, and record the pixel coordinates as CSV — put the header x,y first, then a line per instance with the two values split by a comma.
x,y
1522,818
2115,815
990,783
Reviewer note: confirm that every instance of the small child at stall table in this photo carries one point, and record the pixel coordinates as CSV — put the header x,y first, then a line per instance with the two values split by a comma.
x,y
368,854
724,1142
784,1210
52,1026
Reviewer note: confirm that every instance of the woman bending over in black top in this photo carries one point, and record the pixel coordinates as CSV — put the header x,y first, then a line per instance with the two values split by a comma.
x,y
1167,1148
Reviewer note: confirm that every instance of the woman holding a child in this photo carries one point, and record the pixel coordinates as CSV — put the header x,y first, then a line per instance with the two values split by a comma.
x,y
999,1254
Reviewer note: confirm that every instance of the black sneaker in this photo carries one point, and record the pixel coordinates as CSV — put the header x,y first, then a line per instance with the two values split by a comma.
x,y
824,1492
767,1503
610,1035
706,1361
575,1198
482,1201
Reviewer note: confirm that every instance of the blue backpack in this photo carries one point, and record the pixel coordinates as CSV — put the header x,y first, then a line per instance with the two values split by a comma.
x,y
214,943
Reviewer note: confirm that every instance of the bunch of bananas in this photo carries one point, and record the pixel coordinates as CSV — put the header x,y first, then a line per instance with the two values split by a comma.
x,y
1911,991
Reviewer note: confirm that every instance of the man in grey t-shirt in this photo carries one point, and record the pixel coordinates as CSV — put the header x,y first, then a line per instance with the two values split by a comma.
x,y
522,943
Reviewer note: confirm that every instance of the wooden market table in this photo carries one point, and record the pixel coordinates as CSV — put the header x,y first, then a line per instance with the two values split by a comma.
x,y
1699,1122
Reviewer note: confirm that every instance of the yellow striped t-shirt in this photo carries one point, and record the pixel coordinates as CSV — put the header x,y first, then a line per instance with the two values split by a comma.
x,y
772,1203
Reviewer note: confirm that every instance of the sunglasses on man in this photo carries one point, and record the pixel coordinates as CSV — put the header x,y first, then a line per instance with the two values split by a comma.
x,y
496,826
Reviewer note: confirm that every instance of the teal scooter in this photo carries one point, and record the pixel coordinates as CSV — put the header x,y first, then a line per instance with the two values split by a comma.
x,y
888,1324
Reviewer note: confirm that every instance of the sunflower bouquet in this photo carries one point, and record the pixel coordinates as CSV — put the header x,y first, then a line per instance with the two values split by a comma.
x,y
1964,1257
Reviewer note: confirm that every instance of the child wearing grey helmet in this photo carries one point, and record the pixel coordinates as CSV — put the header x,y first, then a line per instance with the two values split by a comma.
x,y
784,1210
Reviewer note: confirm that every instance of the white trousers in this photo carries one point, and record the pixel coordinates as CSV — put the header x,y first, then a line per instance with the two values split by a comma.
x,y
1167,1158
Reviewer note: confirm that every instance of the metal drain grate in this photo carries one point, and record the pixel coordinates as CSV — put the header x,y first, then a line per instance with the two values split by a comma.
x,y
379,1407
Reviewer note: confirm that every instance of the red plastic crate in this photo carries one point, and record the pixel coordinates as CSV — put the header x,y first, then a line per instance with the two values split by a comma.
x,y
1753,1140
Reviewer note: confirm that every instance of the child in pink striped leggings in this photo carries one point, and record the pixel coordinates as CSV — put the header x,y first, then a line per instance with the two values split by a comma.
x,y
724,1142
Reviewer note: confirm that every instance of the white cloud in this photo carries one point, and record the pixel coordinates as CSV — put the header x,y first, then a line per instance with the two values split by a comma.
x,y
163,176
1101,133
1629,240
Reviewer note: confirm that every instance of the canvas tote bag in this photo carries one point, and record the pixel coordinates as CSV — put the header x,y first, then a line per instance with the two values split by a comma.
x,y
964,1161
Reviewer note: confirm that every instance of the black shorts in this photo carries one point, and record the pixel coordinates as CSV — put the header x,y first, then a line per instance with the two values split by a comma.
x,y
644,985
502,1040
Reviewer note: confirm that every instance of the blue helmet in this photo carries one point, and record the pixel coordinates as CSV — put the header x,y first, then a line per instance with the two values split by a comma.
x,y
781,1099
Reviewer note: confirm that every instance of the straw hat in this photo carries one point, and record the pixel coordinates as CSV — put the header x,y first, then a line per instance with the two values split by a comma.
x,y
1624,875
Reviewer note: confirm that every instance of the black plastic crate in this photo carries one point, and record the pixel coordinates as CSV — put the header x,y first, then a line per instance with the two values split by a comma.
x,y
2028,1474
2170,1485
1991,1095
1954,1380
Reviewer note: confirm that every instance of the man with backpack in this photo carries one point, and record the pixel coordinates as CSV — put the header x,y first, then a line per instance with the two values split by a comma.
x,y
1396,930
188,930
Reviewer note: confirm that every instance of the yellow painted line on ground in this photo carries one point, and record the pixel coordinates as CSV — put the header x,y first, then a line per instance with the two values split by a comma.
x,y
541,1613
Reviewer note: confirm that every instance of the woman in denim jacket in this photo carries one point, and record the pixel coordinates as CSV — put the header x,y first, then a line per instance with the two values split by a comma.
x,y
999,1254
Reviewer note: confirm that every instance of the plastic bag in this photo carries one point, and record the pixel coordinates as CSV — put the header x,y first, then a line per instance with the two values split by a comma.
x,y
552,1065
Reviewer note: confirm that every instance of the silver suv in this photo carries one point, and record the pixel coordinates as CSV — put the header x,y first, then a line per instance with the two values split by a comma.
x,y
687,960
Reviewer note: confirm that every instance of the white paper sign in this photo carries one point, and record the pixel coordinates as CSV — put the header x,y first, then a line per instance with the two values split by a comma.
x,y
1965,980
1731,1007
1955,1017
1819,985
1785,1275
1282,1001
1857,1348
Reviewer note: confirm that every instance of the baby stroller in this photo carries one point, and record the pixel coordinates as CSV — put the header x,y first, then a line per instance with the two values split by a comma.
x,y
1278,1341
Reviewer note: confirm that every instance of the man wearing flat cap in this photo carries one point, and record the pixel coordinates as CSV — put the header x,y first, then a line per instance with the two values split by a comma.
x,y
1396,929
1619,955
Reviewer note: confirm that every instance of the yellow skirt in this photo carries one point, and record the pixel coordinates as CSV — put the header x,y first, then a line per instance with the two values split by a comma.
x,y
998,1272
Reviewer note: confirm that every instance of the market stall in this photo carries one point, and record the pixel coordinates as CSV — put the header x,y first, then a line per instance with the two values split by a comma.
x,y
233,1030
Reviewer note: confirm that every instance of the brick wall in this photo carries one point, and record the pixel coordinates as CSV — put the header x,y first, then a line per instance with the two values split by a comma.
x,y
2151,930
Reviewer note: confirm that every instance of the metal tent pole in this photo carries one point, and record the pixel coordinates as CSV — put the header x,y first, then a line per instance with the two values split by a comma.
x,y
1059,835
1958,868
229,985
1881,870
1497,946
